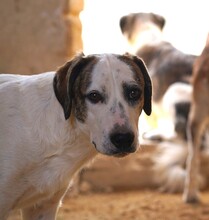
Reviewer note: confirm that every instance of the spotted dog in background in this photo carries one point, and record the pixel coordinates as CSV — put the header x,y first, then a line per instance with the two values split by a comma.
x,y
171,74
55,122
169,68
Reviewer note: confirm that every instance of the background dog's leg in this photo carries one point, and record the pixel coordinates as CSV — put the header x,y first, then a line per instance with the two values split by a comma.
x,y
46,210
195,130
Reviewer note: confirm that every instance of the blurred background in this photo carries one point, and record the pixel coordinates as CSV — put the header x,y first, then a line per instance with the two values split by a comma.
x,y
39,35
186,23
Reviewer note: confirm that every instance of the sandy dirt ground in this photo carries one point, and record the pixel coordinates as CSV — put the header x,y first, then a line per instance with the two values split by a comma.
x,y
132,205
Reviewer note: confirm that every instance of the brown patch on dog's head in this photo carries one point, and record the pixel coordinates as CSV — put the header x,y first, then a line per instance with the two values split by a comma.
x,y
70,83
139,68
128,22
73,78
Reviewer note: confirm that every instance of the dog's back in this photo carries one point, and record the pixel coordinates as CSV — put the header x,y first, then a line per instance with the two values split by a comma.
x,y
167,65
9,77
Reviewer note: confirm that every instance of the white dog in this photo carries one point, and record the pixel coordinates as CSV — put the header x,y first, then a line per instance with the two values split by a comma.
x,y
51,124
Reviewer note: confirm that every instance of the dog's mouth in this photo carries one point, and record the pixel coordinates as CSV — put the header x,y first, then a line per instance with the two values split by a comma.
x,y
116,153
120,155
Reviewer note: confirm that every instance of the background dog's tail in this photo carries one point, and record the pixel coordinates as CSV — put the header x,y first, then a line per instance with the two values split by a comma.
x,y
170,167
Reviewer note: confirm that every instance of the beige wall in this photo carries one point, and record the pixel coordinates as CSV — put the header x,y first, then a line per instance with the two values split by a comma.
x,y
38,35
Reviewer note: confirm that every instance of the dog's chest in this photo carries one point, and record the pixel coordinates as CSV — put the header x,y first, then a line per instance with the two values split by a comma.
x,y
55,172
64,162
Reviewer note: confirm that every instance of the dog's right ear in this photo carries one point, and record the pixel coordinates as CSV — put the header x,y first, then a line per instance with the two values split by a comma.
x,y
64,81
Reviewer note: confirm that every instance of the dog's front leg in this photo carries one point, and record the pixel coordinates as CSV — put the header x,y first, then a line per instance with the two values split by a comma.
x,y
40,212
191,184
45,210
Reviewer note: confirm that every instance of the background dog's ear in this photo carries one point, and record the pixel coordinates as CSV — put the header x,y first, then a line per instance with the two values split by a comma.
x,y
126,24
64,81
159,20
123,23
148,85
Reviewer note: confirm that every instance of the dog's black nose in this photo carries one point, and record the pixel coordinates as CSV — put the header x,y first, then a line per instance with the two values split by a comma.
x,y
123,141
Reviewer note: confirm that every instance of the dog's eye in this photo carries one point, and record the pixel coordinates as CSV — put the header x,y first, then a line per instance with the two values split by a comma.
x,y
134,94
95,97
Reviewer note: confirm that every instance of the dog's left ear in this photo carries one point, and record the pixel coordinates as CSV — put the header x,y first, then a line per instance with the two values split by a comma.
x,y
64,81
148,85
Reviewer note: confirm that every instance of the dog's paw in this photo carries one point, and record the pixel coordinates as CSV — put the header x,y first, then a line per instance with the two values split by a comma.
x,y
191,198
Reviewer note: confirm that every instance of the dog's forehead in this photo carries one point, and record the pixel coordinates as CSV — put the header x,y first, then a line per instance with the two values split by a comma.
x,y
110,68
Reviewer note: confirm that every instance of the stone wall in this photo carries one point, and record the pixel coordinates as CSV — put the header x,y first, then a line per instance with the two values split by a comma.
x,y
38,36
